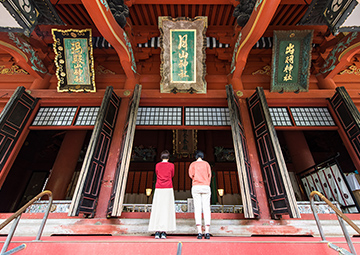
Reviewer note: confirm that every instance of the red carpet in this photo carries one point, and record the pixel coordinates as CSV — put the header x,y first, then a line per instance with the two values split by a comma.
x,y
89,245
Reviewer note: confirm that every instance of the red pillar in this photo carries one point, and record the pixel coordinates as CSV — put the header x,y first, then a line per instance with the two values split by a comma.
x,y
65,163
255,162
236,82
325,83
41,83
299,150
113,157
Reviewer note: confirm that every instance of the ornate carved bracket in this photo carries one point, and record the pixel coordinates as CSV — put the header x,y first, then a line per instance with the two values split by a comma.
x,y
341,55
23,53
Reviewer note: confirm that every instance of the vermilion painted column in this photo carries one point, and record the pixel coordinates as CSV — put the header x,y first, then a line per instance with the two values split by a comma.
x,y
113,157
65,163
325,83
41,83
255,162
299,150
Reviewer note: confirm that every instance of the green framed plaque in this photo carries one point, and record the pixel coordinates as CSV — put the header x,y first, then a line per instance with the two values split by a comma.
x,y
291,61
183,55
74,60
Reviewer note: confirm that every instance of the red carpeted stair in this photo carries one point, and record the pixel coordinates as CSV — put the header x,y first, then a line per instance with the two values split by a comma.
x,y
89,245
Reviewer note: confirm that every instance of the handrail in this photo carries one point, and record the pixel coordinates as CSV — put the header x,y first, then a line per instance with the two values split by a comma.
x,y
340,217
17,216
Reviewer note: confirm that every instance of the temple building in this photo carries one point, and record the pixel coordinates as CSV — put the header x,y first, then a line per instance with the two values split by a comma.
x,y
92,91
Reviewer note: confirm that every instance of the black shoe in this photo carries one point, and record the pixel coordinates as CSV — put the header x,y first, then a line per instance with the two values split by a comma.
x,y
163,235
199,236
157,235
207,236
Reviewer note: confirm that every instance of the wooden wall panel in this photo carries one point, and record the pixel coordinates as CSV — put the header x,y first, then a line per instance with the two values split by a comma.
x,y
130,182
234,183
142,183
187,177
181,176
227,181
150,179
220,180
176,177
135,187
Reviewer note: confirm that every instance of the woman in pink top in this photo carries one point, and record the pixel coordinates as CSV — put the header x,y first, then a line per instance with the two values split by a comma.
x,y
162,216
200,173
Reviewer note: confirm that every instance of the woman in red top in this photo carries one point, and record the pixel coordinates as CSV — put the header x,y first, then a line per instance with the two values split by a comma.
x,y
162,218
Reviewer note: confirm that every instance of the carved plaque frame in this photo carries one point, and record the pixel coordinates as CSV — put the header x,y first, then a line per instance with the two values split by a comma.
x,y
193,77
74,60
291,61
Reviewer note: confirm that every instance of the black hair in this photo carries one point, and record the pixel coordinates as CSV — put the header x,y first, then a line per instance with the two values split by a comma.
x,y
199,154
165,154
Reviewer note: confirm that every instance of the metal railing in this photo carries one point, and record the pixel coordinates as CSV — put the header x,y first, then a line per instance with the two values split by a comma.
x,y
17,216
340,217
213,208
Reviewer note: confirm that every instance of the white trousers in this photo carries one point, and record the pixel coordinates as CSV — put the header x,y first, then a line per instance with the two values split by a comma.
x,y
201,195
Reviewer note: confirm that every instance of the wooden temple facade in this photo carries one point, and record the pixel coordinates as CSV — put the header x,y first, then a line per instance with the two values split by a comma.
x,y
273,100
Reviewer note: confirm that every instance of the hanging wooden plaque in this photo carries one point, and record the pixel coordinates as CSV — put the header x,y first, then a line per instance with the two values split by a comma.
x,y
182,55
74,60
291,61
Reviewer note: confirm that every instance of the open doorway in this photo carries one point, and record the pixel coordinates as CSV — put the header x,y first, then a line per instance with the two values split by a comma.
x,y
32,169
219,152
318,160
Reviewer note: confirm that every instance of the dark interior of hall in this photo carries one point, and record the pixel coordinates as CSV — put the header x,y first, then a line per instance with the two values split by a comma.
x,y
41,147
32,168
217,146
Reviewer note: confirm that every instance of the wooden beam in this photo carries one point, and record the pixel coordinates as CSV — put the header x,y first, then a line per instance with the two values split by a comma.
x,y
61,2
186,2
47,37
317,29
296,2
249,35
298,15
100,13
220,16
140,15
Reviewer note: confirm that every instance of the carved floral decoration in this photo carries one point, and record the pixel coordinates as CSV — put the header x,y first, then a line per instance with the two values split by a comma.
x,y
224,154
142,153
15,69
353,69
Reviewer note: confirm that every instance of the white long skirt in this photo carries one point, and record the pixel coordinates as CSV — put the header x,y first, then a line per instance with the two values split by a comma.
x,y
162,217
